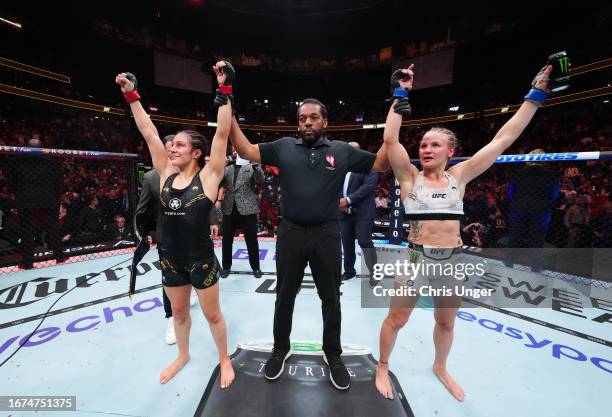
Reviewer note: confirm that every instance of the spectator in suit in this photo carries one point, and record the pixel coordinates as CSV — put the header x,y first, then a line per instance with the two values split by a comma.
x,y
36,180
147,214
357,214
240,206
118,230
125,202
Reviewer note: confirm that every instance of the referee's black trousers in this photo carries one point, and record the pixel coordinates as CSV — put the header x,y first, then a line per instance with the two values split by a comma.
x,y
319,246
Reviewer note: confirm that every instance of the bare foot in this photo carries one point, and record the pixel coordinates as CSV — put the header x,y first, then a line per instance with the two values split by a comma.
x,y
449,383
173,369
227,373
383,384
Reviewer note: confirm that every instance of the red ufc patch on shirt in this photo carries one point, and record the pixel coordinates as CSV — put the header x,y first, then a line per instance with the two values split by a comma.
x,y
331,161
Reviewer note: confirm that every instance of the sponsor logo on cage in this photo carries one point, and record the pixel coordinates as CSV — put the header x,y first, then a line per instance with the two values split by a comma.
x,y
124,243
86,249
175,204
596,307
49,151
567,156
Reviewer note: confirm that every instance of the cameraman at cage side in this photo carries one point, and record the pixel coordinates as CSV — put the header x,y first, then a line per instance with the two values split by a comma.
x,y
147,211
240,207
357,213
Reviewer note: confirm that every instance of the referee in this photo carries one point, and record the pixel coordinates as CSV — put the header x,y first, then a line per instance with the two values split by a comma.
x,y
312,171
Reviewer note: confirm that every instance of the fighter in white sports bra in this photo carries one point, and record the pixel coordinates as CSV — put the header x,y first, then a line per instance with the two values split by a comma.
x,y
433,202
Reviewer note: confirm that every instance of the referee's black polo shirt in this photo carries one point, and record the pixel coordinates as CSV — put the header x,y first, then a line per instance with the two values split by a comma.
x,y
312,178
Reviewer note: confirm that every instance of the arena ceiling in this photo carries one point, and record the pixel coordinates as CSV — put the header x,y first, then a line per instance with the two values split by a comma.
x,y
291,27
306,28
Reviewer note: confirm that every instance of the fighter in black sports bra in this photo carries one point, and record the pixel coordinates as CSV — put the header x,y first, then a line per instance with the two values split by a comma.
x,y
188,187
186,254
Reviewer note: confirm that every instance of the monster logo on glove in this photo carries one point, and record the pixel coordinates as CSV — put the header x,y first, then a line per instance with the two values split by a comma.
x,y
560,76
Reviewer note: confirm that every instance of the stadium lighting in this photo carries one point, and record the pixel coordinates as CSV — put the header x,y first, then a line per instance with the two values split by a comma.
x,y
454,108
8,22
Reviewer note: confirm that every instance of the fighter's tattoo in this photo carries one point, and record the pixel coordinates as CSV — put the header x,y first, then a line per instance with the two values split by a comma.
x,y
416,229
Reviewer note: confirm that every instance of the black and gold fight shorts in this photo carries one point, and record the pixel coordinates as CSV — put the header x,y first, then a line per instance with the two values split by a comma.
x,y
201,274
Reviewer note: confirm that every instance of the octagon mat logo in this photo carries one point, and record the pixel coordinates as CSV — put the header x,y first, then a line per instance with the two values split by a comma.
x,y
304,387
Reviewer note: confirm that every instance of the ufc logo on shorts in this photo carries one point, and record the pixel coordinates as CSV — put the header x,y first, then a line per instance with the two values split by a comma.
x,y
438,195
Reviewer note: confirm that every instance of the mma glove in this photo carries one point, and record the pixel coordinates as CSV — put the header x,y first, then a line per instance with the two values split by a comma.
x,y
225,91
403,105
132,96
537,95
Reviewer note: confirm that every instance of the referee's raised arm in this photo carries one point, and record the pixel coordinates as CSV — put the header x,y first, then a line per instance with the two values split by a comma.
x,y
241,144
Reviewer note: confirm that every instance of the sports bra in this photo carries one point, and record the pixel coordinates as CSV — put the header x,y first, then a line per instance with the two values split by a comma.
x,y
184,221
426,203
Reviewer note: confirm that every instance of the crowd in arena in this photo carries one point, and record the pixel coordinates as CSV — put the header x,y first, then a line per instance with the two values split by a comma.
x,y
94,200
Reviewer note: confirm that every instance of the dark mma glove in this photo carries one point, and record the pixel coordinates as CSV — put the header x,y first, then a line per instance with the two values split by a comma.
x,y
230,73
403,105
133,95
560,76
224,92
221,100
537,95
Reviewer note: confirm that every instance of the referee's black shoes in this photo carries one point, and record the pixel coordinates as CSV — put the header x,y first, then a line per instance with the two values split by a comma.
x,y
276,363
338,373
